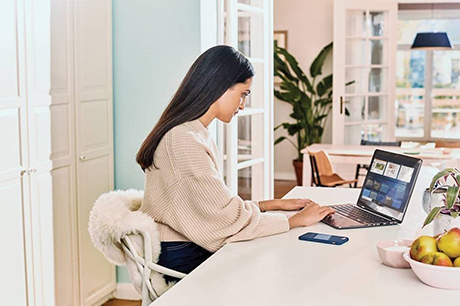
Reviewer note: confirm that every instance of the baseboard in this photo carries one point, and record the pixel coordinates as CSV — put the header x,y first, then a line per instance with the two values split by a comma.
x,y
288,176
126,292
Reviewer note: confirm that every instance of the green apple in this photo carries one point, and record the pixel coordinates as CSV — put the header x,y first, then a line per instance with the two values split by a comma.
x,y
449,243
457,262
422,246
437,259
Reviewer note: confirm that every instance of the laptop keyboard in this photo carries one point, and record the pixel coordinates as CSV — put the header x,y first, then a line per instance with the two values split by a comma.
x,y
357,214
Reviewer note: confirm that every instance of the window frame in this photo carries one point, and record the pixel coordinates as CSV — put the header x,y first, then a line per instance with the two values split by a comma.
x,y
428,97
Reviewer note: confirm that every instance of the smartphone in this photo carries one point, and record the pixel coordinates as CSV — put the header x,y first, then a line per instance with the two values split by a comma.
x,y
324,238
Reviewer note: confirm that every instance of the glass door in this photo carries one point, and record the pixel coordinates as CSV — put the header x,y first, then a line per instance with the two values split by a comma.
x,y
364,70
247,142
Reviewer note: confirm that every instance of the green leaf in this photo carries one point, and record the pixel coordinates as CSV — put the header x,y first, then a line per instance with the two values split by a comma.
x,y
282,70
280,139
452,196
433,213
349,83
324,86
293,129
323,102
320,89
454,214
278,126
295,67
442,173
317,65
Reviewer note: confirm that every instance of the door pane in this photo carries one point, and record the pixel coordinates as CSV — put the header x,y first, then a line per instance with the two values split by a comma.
x,y
378,80
378,53
354,134
356,51
257,3
357,75
377,21
250,137
356,23
377,108
256,98
355,107
250,42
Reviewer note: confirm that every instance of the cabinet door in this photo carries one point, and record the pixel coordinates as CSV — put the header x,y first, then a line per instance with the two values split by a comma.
x,y
62,112
13,154
37,29
94,137
364,53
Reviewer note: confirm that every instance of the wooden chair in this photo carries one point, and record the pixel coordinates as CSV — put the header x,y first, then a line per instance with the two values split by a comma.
x,y
372,143
323,174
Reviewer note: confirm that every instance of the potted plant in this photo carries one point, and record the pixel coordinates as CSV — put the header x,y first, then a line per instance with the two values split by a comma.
x,y
446,209
311,100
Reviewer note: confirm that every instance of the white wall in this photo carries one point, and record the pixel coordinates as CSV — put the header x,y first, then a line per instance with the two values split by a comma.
x,y
309,25
154,44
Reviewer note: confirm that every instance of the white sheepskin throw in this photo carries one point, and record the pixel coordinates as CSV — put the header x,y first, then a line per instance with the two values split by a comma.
x,y
114,216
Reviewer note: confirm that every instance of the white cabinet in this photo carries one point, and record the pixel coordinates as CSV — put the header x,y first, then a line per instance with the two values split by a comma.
x,y
56,152
82,144
25,182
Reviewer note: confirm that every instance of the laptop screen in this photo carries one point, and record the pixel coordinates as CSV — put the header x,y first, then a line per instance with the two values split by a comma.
x,y
389,183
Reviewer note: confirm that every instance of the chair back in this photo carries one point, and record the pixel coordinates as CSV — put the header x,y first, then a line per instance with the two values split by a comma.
x,y
381,143
320,166
129,237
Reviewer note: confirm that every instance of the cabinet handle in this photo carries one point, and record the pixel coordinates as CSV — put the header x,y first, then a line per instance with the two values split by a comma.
x,y
23,171
82,157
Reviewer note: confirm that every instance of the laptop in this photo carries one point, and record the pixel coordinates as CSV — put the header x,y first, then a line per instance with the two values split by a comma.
x,y
385,194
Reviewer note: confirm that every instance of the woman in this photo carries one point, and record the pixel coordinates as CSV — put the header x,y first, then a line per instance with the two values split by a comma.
x,y
195,211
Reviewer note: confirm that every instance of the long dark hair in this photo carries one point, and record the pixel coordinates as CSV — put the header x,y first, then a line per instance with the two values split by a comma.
x,y
211,75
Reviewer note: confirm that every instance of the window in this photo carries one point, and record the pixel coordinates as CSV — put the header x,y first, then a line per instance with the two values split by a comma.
x,y
428,82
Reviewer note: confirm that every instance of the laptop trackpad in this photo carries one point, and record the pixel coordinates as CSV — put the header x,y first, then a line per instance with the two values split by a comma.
x,y
341,221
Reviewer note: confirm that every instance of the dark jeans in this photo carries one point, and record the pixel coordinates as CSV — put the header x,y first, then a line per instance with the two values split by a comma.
x,y
181,256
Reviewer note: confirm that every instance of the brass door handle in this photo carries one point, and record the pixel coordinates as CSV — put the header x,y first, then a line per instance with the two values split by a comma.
x,y
341,104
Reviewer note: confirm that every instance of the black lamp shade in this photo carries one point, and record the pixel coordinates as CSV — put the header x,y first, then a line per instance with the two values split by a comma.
x,y
432,41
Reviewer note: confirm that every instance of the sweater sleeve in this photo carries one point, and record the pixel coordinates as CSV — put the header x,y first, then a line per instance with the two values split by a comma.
x,y
204,210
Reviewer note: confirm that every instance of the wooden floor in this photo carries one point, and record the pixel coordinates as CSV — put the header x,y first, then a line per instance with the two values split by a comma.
x,y
116,302
281,188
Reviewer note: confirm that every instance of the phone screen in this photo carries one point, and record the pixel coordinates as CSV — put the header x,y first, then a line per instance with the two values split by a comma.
x,y
322,237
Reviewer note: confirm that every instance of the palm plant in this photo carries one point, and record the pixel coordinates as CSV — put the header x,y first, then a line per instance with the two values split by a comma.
x,y
311,100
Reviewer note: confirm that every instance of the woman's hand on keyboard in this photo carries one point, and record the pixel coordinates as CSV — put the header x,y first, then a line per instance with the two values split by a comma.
x,y
311,214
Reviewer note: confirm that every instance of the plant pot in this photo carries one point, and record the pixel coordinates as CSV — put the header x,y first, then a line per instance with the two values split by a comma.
x,y
298,167
432,200
443,223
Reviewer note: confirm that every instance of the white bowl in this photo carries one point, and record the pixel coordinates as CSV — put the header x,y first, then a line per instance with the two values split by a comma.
x,y
435,276
391,252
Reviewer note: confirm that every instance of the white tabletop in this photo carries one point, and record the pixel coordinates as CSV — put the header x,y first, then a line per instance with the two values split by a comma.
x,y
282,270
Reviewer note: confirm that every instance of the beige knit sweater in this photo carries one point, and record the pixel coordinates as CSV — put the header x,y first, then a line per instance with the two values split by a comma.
x,y
189,200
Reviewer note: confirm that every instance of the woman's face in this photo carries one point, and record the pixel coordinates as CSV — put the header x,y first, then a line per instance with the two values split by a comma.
x,y
232,101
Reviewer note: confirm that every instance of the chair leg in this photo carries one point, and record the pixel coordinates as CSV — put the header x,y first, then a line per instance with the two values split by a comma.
x,y
358,167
